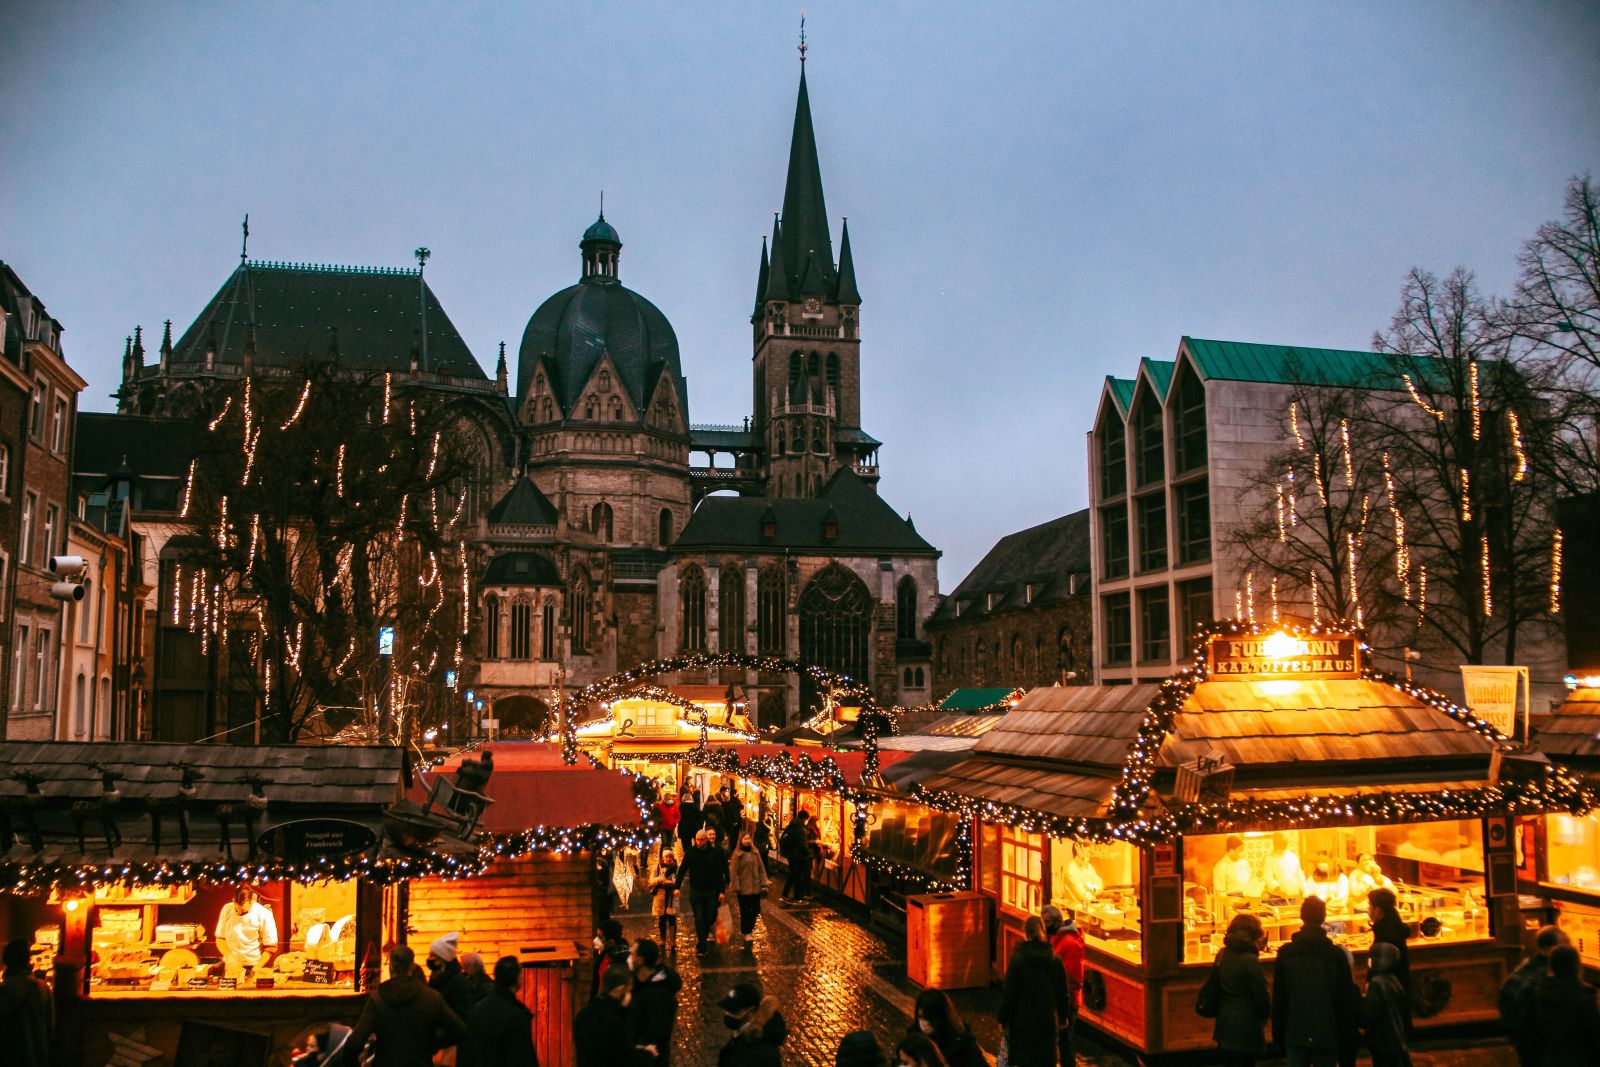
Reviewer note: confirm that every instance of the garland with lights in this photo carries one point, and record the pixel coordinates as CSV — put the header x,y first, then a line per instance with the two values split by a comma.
x,y
27,877
911,877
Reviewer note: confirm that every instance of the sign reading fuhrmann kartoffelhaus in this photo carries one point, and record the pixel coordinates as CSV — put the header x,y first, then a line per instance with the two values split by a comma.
x,y
1282,655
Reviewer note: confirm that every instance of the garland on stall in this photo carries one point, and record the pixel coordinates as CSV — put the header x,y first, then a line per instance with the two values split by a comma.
x,y
912,877
26,877
783,769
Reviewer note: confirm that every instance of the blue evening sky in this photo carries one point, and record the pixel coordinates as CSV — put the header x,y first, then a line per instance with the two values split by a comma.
x,y
1039,194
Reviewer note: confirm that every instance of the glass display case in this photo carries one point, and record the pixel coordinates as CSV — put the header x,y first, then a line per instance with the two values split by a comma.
x,y
1099,884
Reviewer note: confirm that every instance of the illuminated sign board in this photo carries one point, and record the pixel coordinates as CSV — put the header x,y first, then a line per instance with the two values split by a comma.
x,y
1281,655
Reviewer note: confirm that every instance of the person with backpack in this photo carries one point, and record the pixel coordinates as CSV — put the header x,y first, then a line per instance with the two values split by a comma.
x,y
1387,1009
1235,994
1315,1003
26,1010
1518,992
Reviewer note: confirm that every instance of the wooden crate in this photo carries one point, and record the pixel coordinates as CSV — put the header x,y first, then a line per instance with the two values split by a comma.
x,y
947,940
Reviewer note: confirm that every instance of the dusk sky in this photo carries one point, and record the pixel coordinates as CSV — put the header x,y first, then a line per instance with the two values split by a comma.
x,y
1039,195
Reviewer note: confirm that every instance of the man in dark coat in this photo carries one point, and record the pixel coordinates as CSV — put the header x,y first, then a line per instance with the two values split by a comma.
x,y
1316,1007
732,812
1033,1003
600,1030
1565,1012
410,1021
653,1008
446,978
500,1031
759,1029
1383,911
690,818
1519,992
706,868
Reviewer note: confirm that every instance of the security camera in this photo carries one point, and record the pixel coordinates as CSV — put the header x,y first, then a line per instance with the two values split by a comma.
x,y
66,591
68,566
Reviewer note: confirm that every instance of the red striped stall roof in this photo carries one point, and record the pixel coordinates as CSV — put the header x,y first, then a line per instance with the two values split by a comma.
x,y
532,786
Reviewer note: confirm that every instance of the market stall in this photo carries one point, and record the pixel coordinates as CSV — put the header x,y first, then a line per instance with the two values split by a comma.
x,y
1558,854
1277,767
651,730
169,885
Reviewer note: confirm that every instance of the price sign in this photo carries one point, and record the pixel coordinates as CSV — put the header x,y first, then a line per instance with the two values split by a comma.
x,y
318,972
227,983
198,983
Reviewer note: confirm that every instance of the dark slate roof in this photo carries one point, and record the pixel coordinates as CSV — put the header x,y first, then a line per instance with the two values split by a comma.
x,y
1044,556
152,447
524,505
722,437
601,230
867,525
807,247
13,293
377,312
849,436
521,568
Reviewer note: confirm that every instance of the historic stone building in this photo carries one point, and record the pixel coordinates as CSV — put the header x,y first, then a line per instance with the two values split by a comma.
x,y
1022,617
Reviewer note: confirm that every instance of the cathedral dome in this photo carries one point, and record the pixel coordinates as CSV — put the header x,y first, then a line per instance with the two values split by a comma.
x,y
575,329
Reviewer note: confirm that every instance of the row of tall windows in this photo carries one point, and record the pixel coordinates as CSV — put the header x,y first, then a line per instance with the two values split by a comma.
x,y
516,639
1187,408
1153,609
1191,510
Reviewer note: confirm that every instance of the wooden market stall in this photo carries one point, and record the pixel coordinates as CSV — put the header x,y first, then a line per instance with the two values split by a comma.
x,y
121,863
644,734
1277,768
1558,854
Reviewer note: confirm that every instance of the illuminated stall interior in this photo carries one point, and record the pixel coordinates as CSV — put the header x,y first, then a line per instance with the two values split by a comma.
x,y
1559,854
645,735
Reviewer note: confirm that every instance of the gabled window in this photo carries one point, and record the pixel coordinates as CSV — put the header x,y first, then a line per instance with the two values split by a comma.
x,y
1152,512
1113,448
1148,443
1189,423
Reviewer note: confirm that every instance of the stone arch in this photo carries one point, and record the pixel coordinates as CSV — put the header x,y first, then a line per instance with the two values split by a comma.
x,y
522,715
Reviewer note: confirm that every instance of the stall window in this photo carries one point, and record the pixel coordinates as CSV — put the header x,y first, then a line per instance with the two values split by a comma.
x,y
1572,851
1021,870
989,858
1434,868
1099,884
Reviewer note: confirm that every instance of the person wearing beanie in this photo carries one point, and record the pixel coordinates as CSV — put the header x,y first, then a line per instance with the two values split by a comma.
x,y
408,1020
759,1029
500,1030
859,1049
445,976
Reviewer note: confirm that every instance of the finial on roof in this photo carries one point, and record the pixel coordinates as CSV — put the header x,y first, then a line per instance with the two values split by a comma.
x,y
422,255
166,338
138,342
602,203
802,35
244,245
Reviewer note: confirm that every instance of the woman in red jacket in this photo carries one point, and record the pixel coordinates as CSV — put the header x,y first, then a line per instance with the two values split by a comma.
x,y
1067,941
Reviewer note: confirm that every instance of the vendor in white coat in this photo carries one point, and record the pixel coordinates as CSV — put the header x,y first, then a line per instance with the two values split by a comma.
x,y
1231,876
245,930
1284,876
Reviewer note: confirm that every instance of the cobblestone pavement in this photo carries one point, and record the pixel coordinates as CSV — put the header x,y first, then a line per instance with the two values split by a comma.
x,y
832,975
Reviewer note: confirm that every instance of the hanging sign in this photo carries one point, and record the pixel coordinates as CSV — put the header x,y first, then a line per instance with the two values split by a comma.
x,y
313,839
1492,692
1281,655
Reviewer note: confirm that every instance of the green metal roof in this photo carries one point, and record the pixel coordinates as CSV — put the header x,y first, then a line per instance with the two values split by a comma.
x,y
1160,372
1121,392
972,699
1240,361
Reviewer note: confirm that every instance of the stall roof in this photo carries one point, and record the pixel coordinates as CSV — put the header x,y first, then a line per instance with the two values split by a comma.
x,y
950,733
1047,790
1091,725
918,767
850,763
970,699
533,786
1571,733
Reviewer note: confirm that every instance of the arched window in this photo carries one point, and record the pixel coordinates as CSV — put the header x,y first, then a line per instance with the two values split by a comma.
x,y
80,726
905,678
922,679
782,442
1019,659
547,629
905,609
578,607
730,610
796,366
547,409
692,608
664,522
616,409
591,408
833,371
85,609
770,611
600,520
521,628
605,381
491,627
817,444
835,624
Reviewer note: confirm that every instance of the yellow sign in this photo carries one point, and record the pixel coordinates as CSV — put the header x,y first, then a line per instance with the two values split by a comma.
x,y
1282,655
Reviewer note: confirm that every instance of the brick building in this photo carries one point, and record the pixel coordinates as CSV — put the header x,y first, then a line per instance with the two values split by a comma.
x,y
1022,617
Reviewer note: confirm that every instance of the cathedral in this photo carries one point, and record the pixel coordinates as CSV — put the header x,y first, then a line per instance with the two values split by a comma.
x,y
607,528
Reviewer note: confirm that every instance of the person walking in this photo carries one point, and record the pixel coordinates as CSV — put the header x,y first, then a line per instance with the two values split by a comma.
x,y
749,880
26,1010
653,1007
859,1048
662,881
732,811
408,1020
1033,1002
668,812
1067,943
706,868
445,976
762,836
1387,1012
690,818
937,1019
918,1050
479,985
600,1030
1315,1003
1383,913
1518,993
759,1029
500,1030
792,847
1236,991
1565,1013
610,950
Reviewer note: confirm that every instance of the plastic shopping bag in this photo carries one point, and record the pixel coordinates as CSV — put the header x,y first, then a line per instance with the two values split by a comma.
x,y
724,925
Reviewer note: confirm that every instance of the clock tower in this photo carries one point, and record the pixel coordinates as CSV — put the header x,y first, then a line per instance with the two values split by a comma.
x,y
806,333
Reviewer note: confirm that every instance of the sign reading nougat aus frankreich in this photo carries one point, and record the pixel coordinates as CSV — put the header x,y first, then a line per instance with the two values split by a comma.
x,y
1281,655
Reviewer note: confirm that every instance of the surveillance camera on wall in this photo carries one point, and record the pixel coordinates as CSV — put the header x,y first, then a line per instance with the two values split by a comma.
x,y
71,591
68,566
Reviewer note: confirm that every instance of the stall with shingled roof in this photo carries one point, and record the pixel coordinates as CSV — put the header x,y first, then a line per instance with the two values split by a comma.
x,y
1558,853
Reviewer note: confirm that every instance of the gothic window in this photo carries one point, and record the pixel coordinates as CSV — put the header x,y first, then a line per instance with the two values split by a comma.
x,y
781,442
692,606
730,610
591,408
770,612
817,444
833,371
835,626
521,628
491,627
664,524
547,630
922,679
605,381
547,409
796,366
905,605
814,365
578,605
600,521
616,409
1019,659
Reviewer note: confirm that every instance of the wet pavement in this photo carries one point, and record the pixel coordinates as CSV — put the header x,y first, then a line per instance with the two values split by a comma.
x,y
832,975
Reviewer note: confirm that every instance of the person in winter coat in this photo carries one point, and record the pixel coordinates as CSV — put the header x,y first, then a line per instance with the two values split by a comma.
x,y
732,812
662,881
749,880
917,1050
500,1030
610,949
653,1007
26,1010
1565,1013
762,836
445,976
1243,1005
1386,1008
759,1030
1518,993
668,813
859,1049
1383,912
479,985
792,847
938,1020
706,868
1067,943
690,818
600,1030
410,1021
1315,1003
1033,1002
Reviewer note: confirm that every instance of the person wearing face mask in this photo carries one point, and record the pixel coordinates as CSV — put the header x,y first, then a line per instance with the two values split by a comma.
x,y
1329,883
600,1030
706,868
759,1030
445,976
610,949
748,877
918,1050
653,1009
939,1021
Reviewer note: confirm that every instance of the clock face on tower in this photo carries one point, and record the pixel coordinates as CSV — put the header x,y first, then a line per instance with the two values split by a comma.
x,y
813,305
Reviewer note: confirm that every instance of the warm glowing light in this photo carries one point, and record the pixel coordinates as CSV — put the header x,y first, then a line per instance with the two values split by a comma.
x,y
1555,574
1516,446
1421,403
1280,645
1279,687
1477,403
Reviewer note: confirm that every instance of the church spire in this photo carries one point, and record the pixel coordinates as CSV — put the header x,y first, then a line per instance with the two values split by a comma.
x,y
761,283
847,293
805,215
777,277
